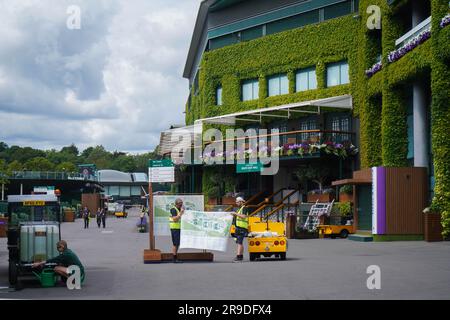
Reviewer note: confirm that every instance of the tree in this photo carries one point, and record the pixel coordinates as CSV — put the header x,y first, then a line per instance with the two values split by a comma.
x,y
15,166
66,167
123,163
72,149
100,157
317,173
39,164
4,172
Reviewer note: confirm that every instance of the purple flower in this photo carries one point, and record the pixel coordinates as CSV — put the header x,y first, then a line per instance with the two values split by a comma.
x,y
445,21
410,45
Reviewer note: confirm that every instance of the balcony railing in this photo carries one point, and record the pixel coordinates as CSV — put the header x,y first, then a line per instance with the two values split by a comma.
x,y
292,143
414,32
47,175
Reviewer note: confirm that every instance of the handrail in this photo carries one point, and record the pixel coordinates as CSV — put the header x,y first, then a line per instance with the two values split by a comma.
x,y
245,203
265,202
281,203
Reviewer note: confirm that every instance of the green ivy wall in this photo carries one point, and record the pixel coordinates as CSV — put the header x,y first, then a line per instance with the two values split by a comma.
x,y
379,102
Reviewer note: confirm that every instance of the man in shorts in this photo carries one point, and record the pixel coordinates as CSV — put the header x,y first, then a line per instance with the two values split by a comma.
x,y
175,226
241,228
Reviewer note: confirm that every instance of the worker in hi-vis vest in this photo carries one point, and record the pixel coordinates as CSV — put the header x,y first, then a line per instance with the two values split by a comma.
x,y
175,226
241,224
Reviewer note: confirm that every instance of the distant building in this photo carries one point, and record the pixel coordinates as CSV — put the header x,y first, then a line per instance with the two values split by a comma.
x,y
123,186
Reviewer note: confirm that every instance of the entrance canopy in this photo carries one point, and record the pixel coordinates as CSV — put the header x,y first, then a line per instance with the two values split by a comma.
x,y
283,111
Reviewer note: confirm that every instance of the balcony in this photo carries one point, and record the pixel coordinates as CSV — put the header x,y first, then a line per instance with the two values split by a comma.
x,y
292,144
423,27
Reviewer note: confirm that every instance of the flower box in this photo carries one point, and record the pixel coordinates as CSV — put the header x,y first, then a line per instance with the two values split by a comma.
x,y
228,200
326,197
345,197
69,216
212,201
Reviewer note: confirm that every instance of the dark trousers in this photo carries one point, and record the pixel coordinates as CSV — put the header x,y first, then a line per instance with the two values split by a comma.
x,y
86,223
103,221
99,221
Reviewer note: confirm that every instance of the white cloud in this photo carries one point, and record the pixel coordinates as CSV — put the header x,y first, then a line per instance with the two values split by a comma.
x,y
117,81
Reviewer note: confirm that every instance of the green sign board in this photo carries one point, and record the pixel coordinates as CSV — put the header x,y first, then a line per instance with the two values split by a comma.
x,y
248,167
160,163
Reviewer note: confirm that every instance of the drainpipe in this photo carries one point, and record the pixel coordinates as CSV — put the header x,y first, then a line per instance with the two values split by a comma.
x,y
420,107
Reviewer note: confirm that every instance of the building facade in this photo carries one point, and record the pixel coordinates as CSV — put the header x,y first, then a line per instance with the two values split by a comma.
x,y
385,62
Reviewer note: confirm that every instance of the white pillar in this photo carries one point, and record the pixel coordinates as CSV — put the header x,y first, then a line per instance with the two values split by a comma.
x,y
3,192
421,141
21,189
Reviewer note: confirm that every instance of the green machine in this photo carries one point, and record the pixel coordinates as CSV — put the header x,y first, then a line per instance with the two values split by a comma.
x,y
33,231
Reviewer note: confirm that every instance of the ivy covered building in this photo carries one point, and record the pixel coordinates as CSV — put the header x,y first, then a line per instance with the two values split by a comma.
x,y
324,72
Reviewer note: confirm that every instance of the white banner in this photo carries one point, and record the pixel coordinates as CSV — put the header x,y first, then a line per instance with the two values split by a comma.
x,y
162,206
205,230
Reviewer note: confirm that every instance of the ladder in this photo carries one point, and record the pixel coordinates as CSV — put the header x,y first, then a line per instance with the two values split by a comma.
x,y
317,210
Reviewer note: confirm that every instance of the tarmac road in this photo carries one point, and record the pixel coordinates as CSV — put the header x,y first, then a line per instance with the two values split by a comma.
x,y
314,269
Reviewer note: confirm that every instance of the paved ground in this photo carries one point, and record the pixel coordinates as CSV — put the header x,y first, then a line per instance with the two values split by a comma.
x,y
315,269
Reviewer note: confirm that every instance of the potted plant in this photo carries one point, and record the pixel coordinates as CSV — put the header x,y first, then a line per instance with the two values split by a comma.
x,y
432,224
69,214
229,189
318,175
346,193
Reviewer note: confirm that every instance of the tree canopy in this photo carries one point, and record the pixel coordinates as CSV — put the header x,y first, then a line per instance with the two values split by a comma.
x,y
15,158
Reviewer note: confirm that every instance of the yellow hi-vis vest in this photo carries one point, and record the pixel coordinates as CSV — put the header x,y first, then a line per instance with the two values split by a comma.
x,y
241,223
175,224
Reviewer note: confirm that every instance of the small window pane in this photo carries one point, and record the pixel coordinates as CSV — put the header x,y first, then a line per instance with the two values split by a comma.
x,y
344,73
113,190
301,81
255,89
284,84
219,96
274,86
312,81
125,191
247,91
252,33
333,75
135,191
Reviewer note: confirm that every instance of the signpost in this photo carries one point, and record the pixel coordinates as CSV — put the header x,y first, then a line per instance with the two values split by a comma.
x,y
163,171
158,171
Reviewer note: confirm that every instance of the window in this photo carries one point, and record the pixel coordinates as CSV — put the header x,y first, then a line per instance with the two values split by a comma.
x,y
124,191
337,73
305,80
219,96
223,41
277,85
113,190
308,124
337,10
250,89
252,33
339,122
135,191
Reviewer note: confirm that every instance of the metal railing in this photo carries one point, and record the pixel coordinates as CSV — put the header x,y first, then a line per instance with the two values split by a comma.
x,y
414,32
49,175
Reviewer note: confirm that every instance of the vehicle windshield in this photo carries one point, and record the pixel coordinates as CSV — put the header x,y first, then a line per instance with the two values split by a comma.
x,y
19,213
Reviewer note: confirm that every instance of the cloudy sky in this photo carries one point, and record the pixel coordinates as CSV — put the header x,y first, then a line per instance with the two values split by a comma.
x,y
116,81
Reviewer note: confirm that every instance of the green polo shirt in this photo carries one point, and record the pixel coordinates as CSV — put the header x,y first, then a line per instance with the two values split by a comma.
x,y
67,258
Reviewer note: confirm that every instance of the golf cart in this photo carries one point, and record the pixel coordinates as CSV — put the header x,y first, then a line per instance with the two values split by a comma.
x,y
33,231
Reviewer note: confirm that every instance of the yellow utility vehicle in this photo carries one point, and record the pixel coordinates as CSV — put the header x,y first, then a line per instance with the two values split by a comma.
x,y
334,231
266,239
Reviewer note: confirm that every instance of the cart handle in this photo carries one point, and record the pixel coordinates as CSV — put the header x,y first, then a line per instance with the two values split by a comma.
x,y
46,264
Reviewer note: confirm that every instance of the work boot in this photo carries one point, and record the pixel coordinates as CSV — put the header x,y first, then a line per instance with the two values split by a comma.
x,y
238,259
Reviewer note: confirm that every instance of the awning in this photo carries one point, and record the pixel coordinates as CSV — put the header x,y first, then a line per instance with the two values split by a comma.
x,y
341,102
180,139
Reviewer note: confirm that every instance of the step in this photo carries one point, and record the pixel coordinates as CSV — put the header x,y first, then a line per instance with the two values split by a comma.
x,y
360,237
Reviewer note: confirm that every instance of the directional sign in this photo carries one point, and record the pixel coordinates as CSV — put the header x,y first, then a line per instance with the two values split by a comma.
x,y
248,167
160,163
161,171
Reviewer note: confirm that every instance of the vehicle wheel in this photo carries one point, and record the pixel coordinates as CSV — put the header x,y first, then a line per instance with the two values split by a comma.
x,y
283,255
344,234
333,237
252,256
13,273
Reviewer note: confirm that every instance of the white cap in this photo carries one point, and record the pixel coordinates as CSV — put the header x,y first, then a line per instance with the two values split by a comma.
x,y
240,199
